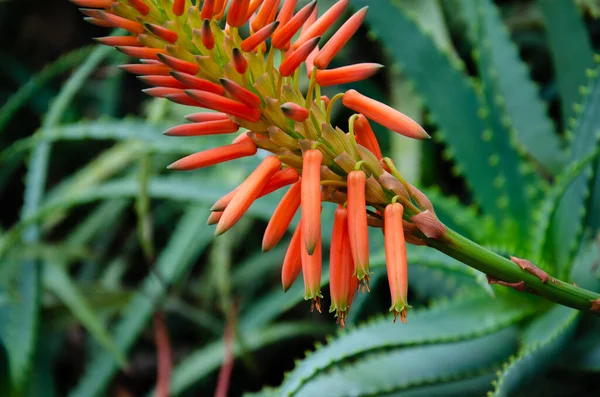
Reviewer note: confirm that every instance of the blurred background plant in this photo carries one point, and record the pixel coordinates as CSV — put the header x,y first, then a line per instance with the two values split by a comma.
x,y
112,284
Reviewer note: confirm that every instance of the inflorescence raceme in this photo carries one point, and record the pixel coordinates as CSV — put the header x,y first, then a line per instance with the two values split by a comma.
x,y
192,53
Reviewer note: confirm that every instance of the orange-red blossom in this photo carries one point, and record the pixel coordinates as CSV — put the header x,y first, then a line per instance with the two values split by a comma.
x,y
189,58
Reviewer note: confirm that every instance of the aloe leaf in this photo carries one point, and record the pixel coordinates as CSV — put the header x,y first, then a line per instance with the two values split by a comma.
x,y
522,184
29,89
202,362
457,320
568,223
435,77
525,115
543,341
58,281
551,203
19,322
412,367
185,244
571,53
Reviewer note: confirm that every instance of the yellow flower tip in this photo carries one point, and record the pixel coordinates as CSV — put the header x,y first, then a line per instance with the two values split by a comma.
x,y
384,115
214,218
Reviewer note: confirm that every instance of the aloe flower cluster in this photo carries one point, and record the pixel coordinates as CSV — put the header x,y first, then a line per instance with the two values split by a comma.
x,y
192,53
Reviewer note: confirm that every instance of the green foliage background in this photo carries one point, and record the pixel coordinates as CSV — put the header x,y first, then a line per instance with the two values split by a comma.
x,y
96,236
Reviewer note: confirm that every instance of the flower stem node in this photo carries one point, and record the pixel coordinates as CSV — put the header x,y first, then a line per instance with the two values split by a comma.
x,y
531,268
519,286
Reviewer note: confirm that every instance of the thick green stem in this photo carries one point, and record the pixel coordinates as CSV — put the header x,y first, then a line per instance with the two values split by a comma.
x,y
499,268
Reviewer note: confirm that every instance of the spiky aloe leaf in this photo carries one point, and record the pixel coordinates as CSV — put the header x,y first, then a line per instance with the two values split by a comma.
x,y
546,212
568,223
571,53
57,280
413,367
543,341
205,360
584,353
456,320
19,321
530,127
29,89
187,242
461,129
518,176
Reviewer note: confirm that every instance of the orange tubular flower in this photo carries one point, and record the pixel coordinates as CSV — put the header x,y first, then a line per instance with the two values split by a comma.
x,y
384,115
282,178
365,136
152,69
247,193
284,34
395,259
202,117
141,52
240,93
347,74
214,218
340,38
215,156
178,7
238,10
311,199
115,41
291,63
259,37
139,5
162,81
292,263
342,281
163,33
282,217
294,111
225,105
321,25
205,128
263,17
198,83
188,57
239,62
208,8
206,35
92,3
357,224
